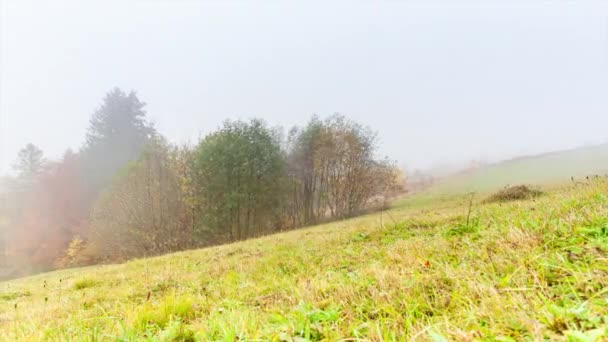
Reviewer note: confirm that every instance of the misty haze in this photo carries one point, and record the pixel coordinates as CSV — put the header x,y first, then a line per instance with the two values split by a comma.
x,y
198,170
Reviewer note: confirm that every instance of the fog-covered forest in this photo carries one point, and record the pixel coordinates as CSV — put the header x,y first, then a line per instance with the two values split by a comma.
x,y
129,192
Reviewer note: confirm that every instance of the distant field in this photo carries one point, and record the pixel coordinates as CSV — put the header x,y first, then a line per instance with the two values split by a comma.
x,y
527,270
541,169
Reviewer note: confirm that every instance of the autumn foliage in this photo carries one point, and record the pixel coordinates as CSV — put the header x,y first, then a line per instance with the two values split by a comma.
x,y
47,213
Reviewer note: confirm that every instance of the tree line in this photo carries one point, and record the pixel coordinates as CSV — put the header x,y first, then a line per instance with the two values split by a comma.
x,y
128,192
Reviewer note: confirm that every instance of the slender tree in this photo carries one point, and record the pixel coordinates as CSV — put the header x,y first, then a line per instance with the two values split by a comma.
x,y
145,211
333,171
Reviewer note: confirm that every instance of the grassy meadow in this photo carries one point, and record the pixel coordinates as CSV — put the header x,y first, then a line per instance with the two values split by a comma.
x,y
549,168
425,270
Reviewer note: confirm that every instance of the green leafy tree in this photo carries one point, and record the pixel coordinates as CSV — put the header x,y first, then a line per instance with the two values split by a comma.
x,y
239,179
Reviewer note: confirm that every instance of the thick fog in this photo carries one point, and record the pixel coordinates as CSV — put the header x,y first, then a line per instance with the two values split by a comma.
x,y
439,82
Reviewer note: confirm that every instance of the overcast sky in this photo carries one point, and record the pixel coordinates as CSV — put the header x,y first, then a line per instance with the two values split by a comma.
x,y
438,82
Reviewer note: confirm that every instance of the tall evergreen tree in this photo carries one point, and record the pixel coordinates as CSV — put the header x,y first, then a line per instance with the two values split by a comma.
x,y
29,161
118,131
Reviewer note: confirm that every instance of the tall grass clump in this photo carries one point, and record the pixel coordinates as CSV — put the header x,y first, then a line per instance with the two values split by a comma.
x,y
514,193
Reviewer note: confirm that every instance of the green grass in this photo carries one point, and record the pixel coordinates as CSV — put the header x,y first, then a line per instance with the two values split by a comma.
x,y
85,283
523,270
542,169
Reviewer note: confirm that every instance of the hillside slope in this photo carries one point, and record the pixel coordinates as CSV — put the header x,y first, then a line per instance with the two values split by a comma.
x,y
511,271
545,168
